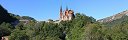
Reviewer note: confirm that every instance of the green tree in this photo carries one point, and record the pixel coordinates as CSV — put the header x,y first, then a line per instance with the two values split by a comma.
x,y
19,35
5,29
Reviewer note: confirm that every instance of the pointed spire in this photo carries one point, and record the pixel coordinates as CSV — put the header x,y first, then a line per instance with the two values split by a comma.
x,y
66,8
61,14
61,9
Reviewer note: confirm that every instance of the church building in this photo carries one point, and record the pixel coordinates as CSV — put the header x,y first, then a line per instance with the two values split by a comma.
x,y
66,15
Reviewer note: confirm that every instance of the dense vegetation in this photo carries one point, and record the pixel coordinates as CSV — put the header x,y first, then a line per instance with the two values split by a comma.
x,y
82,27
8,21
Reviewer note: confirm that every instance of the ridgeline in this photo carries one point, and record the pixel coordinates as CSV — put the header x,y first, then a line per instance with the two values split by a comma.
x,y
81,27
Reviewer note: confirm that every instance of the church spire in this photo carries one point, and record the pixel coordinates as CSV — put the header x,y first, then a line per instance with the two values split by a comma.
x,y
66,8
61,14
60,8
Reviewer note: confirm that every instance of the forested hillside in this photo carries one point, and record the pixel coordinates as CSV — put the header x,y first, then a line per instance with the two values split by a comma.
x,y
5,16
8,21
82,27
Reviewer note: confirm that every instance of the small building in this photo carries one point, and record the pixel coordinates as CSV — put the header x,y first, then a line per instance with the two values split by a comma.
x,y
24,21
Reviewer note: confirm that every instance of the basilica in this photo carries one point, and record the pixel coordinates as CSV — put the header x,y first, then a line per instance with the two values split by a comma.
x,y
66,15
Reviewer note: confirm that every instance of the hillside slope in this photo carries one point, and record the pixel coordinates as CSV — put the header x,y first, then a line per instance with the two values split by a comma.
x,y
114,17
5,16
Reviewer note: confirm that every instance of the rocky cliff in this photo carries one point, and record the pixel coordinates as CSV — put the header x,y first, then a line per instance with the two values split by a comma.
x,y
114,17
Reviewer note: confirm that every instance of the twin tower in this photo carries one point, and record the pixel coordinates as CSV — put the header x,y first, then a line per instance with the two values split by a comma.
x,y
66,15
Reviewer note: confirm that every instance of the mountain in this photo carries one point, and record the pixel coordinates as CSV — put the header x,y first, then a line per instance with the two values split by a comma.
x,y
11,18
114,17
5,16
22,17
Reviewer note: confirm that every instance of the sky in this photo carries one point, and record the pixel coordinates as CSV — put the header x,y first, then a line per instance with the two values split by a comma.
x,y
43,10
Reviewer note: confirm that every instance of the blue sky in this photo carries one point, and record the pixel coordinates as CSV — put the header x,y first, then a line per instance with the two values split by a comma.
x,y
49,9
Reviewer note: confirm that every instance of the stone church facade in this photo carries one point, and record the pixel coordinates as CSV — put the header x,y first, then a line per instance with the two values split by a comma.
x,y
66,15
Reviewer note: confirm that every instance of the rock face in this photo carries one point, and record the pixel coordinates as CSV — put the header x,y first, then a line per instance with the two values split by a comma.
x,y
5,16
114,17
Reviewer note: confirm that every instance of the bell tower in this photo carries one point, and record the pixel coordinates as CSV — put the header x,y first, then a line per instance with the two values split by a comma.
x,y
66,12
61,14
66,8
